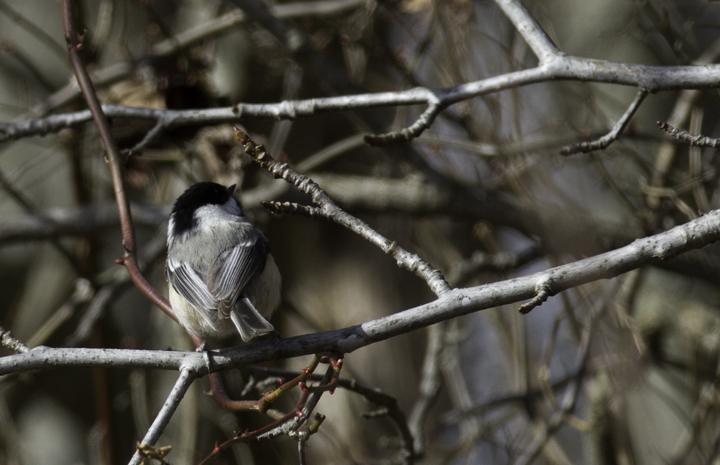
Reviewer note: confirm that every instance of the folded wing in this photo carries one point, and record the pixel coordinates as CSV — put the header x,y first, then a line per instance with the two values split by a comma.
x,y
190,284
227,278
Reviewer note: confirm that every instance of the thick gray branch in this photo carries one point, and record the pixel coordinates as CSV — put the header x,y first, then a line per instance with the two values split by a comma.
x,y
692,235
651,78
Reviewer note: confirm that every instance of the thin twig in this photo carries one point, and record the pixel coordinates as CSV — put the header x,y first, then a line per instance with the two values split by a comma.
x,y
430,383
542,293
389,404
697,140
456,382
407,134
304,410
151,136
567,406
11,342
678,117
301,452
695,164
289,423
610,137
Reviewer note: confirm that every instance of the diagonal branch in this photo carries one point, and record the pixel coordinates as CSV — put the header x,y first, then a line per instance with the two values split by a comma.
x,y
32,28
186,378
569,402
531,31
328,209
430,385
692,235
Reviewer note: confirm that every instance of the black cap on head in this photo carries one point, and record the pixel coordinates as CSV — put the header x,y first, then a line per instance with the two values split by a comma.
x,y
198,195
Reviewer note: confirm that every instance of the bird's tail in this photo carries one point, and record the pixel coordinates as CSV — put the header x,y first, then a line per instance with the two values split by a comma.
x,y
248,321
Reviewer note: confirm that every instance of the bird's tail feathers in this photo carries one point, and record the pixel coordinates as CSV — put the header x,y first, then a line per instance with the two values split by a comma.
x,y
248,321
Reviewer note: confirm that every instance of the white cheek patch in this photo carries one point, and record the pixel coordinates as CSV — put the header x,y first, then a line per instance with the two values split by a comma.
x,y
171,231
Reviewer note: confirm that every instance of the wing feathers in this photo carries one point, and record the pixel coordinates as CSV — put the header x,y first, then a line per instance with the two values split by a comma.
x,y
233,269
191,286
218,295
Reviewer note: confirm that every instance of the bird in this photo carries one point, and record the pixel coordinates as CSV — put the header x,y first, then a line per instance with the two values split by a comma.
x,y
222,277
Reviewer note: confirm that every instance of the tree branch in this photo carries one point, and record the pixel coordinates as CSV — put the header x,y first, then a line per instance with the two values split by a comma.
x,y
697,140
183,383
406,135
115,160
610,137
430,384
651,78
11,342
529,29
692,235
328,209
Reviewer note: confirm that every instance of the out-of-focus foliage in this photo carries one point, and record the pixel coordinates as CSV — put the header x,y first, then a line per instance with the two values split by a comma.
x,y
648,386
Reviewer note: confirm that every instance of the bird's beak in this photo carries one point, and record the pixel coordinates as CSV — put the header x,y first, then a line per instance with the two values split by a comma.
x,y
231,189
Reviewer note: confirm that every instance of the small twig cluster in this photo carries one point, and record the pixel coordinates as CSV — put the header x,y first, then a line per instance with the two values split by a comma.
x,y
290,422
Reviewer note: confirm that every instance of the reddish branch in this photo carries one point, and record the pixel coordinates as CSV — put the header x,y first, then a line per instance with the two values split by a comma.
x,y
114,160
335,365
265,402
116,168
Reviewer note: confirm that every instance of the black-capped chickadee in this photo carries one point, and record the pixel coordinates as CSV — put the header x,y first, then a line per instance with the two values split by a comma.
x,y
221,274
